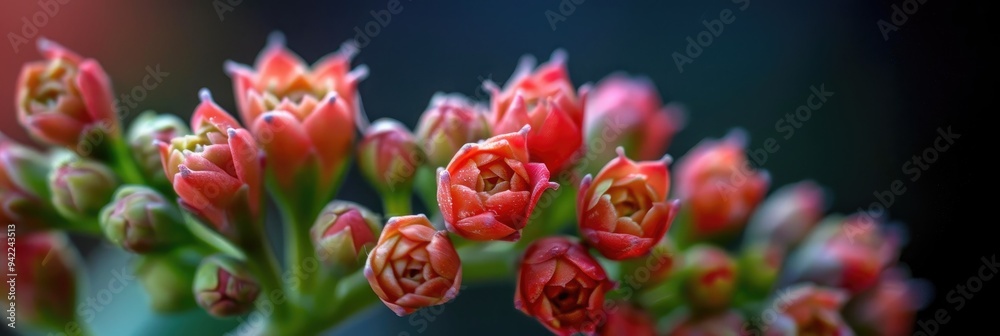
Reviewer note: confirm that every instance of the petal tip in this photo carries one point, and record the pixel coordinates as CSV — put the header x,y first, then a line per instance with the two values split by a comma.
x,y
524,130
620,150
205,95
275,39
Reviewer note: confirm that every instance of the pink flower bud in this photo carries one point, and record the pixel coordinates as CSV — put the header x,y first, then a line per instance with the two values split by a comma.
x,y
388,156
224,286
626,320
543,98
787,216
413,266
303,117
64,97
489,189
627,111
450,122
216,171
716,183
344,232
624,211
709,277
562,286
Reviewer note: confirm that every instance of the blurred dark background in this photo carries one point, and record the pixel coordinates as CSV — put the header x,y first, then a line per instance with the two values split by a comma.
x,y
890,97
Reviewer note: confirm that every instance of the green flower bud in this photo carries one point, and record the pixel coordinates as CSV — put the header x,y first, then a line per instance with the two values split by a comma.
x,y
709,279
24,194
80,187
759,267
148,128
141,220
168,280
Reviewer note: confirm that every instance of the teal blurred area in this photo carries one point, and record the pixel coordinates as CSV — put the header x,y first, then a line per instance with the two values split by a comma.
x,y
889,99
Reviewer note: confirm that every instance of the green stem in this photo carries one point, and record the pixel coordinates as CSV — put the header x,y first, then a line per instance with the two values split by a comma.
x,y
298,247
397,203
263,263
426,187
122,162
490,261
86,226
353,295
551,215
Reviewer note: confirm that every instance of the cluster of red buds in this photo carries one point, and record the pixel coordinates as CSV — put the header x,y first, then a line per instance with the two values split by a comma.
x,y
566,190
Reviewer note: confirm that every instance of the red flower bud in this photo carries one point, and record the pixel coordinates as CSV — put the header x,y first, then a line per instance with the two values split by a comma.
x,y
61,99
627,111
543,98
787,216
343,232
561,286
413,266
722,324
890,307
450,122
626,320
718,185
302,117
709,278
814,310
846,253
624,211
489,189
216,171
24,194
281,80
388,156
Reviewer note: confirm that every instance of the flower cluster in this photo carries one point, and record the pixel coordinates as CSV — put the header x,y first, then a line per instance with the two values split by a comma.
x,y
571,182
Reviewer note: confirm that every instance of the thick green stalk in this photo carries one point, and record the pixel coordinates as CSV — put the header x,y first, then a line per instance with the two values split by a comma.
x,y
122,162
397,203
298,248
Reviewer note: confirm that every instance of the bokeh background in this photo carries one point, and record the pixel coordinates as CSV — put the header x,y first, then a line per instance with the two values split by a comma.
x,y
890,97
